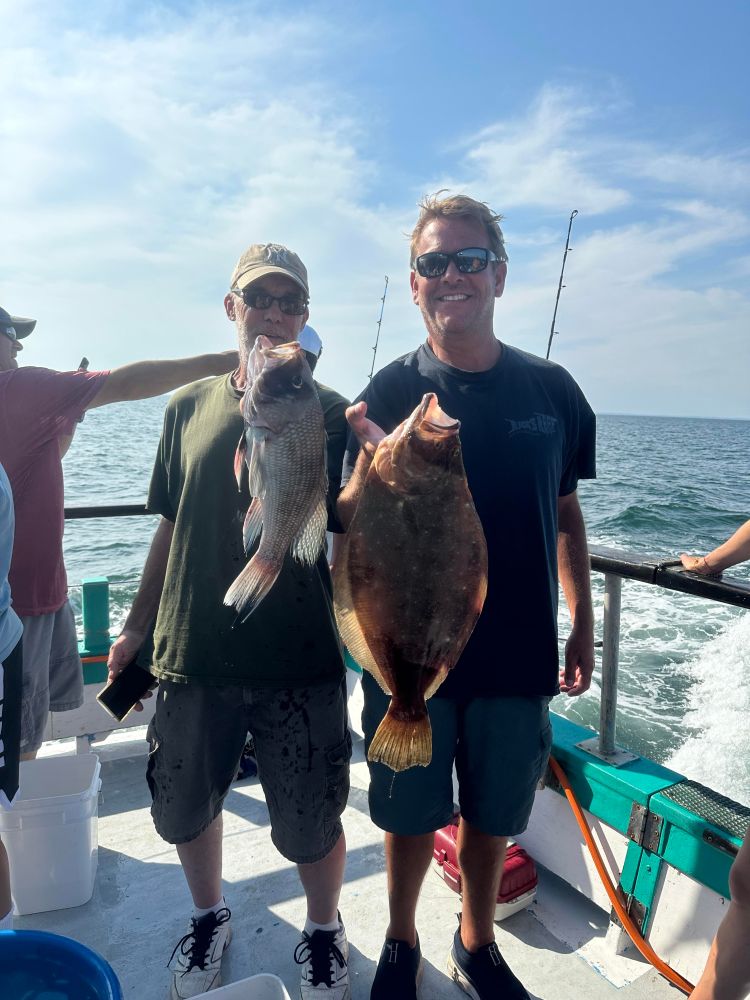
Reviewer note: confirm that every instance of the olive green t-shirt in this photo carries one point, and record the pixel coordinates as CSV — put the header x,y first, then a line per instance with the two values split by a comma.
x,y
291,638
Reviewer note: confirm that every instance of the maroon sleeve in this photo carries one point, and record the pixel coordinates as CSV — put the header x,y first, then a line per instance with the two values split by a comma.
x,y
42,402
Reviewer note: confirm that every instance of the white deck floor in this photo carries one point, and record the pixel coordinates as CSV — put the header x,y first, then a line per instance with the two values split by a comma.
x,y
140,905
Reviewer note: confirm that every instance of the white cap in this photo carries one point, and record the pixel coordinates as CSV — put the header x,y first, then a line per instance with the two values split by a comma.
x,y
310,341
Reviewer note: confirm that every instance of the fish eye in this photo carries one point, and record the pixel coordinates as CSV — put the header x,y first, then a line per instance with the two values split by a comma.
x,y
297,381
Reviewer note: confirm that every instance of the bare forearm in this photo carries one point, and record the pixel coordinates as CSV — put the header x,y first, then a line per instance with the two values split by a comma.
x,y
146,602
573,564
144,379
350,494
736,549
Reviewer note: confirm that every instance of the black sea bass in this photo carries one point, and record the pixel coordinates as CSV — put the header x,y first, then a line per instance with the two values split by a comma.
x,y
284,445
412,577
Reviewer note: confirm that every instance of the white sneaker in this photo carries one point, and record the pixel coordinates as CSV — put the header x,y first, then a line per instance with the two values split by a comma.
x,y
323,956
196,960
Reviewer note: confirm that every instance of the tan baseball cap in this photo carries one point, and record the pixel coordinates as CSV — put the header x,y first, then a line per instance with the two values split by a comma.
x,y
262,259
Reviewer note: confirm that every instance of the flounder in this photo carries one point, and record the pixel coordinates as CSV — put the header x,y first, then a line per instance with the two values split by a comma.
x,y
411,579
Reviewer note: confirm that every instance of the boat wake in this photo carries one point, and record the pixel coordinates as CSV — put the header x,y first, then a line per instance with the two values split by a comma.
x,y
717,750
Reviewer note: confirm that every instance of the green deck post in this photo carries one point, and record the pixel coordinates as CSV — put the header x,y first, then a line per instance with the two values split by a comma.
x,y
96,640
95,610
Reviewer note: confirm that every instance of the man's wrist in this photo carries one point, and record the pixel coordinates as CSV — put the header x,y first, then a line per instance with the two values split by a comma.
x,y
583,621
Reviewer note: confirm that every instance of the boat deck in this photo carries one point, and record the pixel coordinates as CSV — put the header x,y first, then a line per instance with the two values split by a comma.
x,y
140,905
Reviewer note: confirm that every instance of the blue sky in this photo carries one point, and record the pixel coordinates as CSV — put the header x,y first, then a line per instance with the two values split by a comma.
x,y
144,146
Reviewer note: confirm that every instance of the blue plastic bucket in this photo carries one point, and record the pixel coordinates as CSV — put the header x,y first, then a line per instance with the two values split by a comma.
x,y
42,966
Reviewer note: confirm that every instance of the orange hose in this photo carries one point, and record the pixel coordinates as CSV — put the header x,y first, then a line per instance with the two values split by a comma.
x,y
94,659
615,895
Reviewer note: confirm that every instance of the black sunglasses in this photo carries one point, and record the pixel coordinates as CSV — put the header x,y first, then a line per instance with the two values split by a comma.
x,y
468,261
290,305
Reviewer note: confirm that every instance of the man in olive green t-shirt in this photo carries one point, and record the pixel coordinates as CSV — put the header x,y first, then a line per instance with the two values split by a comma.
x,y
279,675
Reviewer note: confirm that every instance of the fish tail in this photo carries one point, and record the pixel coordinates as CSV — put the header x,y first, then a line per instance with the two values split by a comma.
x,y
252,585
402,743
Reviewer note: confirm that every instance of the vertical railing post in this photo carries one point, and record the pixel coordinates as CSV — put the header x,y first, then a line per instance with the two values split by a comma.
x,y
603,746
610,662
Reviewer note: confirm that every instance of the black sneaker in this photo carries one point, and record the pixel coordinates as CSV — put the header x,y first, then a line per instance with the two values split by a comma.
x,y
196,960
484,975
399,971
323,956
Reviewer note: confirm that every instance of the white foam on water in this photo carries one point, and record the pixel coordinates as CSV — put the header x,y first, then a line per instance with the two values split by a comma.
x,y
717,750
663,635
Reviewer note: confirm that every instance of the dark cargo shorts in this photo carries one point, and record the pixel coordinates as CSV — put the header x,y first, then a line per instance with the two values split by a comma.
x,y
302,745
500,747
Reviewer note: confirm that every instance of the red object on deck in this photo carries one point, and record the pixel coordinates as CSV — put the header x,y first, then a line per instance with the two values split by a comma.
x,y
519,871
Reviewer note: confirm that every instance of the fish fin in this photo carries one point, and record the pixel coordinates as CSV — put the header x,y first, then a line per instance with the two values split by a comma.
x,y
346,619
253,524
440,675
402,743
308,542
255,467
252,585
239,460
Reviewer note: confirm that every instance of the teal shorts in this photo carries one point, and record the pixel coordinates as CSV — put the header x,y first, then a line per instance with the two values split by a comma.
x,y
500,748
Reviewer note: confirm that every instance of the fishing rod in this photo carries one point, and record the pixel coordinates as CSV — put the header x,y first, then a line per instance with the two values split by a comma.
x,y
380,320
560,285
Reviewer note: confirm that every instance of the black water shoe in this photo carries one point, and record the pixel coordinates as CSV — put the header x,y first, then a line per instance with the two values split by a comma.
x,y
484,974
399,971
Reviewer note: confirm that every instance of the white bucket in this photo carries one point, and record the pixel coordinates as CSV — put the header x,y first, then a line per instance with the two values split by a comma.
x,y
50,833
262,987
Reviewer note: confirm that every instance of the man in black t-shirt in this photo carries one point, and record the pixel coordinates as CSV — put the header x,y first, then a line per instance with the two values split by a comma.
x,y
527,436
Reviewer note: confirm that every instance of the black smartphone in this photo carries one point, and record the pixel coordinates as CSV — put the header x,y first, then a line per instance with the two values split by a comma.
x,y
130,685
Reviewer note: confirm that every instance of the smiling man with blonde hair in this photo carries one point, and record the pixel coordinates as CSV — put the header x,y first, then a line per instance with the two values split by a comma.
x,y
527,437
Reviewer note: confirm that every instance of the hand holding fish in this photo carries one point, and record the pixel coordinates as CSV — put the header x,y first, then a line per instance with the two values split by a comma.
x,y
367,433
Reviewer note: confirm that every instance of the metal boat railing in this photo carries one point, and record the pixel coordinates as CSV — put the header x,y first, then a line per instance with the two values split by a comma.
x,y
616,565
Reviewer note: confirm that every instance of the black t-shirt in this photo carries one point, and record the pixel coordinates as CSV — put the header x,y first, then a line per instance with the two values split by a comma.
x,y
527,436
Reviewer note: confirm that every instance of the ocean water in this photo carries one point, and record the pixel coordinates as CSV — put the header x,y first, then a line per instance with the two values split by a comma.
x,y
664,485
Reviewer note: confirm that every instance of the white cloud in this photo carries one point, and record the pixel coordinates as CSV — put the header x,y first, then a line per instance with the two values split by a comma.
x,y
712,175
636,340
140,165
139,162
539,159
